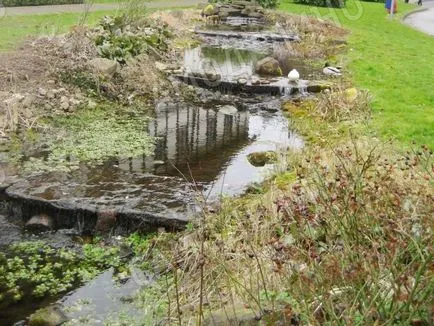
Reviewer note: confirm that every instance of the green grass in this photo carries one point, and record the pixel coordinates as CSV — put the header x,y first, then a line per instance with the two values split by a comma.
x,y
15,29
393,61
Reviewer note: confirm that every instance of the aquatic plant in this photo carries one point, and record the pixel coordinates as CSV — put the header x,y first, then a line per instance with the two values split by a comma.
x,y
92,136
35,269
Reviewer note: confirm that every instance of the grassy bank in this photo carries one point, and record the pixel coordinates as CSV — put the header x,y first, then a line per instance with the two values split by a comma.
x,y
393,61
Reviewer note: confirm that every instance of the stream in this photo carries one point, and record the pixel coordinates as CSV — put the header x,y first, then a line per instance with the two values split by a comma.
x,y
201,149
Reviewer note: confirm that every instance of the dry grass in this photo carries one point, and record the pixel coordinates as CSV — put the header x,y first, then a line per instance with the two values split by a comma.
x,y
343,104
179,21
350,239
319,39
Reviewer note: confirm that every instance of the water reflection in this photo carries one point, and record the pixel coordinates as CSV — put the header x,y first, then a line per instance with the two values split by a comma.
x,y
211,148
228,63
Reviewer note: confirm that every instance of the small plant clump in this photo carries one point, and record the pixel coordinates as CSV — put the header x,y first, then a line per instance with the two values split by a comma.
x,y
120,38
36,269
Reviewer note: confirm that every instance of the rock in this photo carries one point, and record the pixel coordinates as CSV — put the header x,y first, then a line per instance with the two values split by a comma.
x,y
27,113
42,91
259,159
51,316
64,103
212,77
106,222
269,66
105,66
297,108
256,81
40,223
318,86
228,110
242,81
229,12
28,101
157,162
50,95
161,66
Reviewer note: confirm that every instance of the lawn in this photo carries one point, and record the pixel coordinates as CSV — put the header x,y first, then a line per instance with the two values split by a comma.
x,y
393,61
16,28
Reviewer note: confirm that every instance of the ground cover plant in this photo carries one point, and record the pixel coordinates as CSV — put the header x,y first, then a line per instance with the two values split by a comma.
x,y
35,269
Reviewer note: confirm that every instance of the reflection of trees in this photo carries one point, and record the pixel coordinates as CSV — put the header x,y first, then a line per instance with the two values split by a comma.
x,y
197,139
226,62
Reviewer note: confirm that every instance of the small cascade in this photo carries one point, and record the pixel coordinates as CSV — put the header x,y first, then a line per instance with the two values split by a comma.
x,y
302,87
286,90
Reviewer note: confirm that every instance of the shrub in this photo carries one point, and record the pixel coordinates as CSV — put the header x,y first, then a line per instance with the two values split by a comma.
x,y
19,3
323,3
263,3
120,38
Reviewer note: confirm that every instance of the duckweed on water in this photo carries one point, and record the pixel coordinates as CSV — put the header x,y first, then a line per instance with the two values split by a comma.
x,y
35,269
93,136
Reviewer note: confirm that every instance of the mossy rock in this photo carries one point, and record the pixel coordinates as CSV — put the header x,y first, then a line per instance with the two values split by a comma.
x,y
269,67
259,159
298,109
51,316
318,86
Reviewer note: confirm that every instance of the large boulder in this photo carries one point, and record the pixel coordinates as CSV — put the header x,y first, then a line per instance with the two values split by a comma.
x,y
104,66
269,66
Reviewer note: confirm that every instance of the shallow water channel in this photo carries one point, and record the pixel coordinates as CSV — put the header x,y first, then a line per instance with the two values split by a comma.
x,y
201,148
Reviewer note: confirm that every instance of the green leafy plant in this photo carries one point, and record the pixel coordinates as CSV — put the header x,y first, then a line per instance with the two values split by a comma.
x,y
121,38
36,269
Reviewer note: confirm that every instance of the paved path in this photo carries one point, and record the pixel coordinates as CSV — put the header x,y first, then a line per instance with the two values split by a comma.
x,y
423,20
37,10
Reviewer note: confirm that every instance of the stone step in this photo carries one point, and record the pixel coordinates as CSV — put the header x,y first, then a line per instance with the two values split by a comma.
x,y
276,87
262,37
